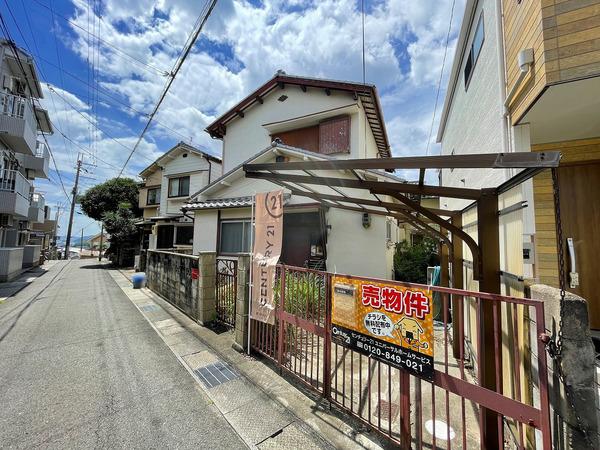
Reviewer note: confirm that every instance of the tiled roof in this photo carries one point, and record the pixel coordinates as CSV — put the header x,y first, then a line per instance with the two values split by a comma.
x,y
217,203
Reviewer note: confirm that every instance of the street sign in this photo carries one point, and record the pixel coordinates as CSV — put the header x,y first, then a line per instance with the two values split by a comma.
x,y
386,321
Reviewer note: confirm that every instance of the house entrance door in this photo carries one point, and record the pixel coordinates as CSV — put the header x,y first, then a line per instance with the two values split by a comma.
x,y
580,209
165,236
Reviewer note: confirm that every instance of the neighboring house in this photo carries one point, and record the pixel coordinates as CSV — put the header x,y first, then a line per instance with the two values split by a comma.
x,y
293,119
168,182
22,159
526,76
94,241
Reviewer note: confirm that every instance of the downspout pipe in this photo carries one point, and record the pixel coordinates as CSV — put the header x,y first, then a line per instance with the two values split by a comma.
x,y
502,74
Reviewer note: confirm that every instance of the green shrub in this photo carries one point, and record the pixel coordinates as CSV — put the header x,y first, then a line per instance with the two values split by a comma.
x,y
411,261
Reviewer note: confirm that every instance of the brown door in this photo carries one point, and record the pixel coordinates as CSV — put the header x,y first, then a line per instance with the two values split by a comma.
x,y
580,213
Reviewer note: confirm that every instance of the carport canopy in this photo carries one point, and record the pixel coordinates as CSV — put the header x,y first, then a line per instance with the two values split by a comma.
x,y
359,184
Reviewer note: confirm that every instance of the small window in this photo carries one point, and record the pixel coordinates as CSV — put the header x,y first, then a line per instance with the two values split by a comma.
x,y
474,51
153,197
234,236
179,187
184,235
388,230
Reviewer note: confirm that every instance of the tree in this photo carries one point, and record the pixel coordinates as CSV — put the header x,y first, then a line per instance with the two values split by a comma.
x,y
115,202
411,261
108,196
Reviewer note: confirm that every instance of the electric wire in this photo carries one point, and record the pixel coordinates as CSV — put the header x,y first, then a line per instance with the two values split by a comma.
x,y
207,11
437,95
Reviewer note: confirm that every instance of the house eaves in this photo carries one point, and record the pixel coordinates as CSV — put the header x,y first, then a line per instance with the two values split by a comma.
x,y
461,46
181,146
367,93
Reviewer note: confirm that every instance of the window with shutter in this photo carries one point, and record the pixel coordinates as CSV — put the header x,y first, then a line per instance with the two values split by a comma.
x,y
334,135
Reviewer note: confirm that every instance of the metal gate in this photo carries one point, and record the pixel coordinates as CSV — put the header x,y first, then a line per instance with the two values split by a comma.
x,y
226,290
449,412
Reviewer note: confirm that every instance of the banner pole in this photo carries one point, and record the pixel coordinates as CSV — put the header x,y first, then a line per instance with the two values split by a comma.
x,y
251,267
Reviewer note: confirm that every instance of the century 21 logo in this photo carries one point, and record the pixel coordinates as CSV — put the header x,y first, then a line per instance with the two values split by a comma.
x,y
274,204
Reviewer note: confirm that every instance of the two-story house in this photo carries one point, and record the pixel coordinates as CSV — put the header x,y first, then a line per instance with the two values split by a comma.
x,y
293,118
22,159
167,184
526,77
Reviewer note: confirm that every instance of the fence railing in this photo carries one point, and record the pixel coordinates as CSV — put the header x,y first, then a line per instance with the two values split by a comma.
x,y
459,408
226,290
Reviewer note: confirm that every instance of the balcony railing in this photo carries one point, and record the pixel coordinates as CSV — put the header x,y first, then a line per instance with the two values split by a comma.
x,y
14,181
17,107
41,150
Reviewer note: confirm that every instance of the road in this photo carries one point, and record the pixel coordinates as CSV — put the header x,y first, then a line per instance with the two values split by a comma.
x,y
81,368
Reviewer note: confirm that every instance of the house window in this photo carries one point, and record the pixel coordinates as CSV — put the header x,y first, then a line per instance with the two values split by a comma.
x,y
235,236
388,230
184,235
474,51
179,187
153,197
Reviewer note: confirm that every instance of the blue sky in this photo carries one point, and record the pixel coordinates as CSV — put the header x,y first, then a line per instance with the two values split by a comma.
x,y
98,90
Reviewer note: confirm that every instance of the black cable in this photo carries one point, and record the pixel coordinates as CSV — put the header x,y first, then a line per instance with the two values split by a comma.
x,y
210,6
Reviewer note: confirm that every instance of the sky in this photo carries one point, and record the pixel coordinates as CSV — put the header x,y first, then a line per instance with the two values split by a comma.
x,y
103,65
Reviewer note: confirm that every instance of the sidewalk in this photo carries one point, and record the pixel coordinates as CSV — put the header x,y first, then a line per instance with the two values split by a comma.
x,y
262,406
10,288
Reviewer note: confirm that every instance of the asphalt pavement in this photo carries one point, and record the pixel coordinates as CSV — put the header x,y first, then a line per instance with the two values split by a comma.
x,y
80,367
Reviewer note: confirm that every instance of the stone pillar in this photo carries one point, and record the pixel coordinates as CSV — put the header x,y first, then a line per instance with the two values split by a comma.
x,y
207,262
242,303
574,399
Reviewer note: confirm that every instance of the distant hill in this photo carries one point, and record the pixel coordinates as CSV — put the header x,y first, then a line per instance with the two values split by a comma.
x,y
75,240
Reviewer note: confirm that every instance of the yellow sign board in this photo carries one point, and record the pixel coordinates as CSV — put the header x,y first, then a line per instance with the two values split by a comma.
x,y
384,320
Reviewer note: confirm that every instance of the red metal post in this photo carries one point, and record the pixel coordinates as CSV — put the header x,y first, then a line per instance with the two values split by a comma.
x,y
280,322
405,433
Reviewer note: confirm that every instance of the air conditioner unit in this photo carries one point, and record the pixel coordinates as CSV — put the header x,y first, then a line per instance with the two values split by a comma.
x,y
7,82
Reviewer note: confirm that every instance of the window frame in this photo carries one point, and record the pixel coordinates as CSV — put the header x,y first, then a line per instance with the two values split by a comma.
x,y
473,60
179,194
246,223
157,198
177,228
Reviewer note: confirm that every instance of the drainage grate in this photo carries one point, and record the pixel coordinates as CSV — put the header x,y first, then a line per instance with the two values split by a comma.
x,y
149,308
215,374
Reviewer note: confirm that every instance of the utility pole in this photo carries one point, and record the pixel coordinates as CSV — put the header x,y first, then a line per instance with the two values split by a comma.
x,y
81,243
101,239
73,201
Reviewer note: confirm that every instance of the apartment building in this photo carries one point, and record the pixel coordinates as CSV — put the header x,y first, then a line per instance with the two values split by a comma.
x,y
292,118
526,77
167,184
23,157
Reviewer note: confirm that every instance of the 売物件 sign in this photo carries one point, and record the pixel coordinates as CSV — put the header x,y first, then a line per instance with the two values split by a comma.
x,y
268,237
384,320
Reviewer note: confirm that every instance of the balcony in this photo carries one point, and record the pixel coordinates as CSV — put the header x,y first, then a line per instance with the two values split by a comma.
x,y
36,208
38,164
14,194
18,126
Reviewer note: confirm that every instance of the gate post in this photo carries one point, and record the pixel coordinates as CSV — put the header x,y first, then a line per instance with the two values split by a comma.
x,y
489,247
457,283
207,269
242,300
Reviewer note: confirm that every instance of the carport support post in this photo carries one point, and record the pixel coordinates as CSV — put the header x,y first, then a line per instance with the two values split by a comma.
x,y
242,301
207,266
489,247
457,283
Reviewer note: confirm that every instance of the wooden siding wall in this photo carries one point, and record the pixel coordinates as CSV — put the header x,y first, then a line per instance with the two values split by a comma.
x,y
523,29
565,37
573,152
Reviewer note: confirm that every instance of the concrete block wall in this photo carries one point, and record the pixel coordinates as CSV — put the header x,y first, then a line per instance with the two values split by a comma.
x,y
206,311
11,262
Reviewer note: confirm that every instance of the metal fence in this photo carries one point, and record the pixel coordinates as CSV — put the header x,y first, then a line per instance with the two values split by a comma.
x,y
226,290
452,411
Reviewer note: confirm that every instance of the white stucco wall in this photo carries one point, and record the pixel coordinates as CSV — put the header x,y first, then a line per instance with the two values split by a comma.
x,y
205,231
355,250
193,165
474,123
246,136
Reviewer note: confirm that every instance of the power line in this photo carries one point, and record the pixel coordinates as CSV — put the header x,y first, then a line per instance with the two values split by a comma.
x,y
115,99
208,9
108,44
15,51
437,95
92,122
